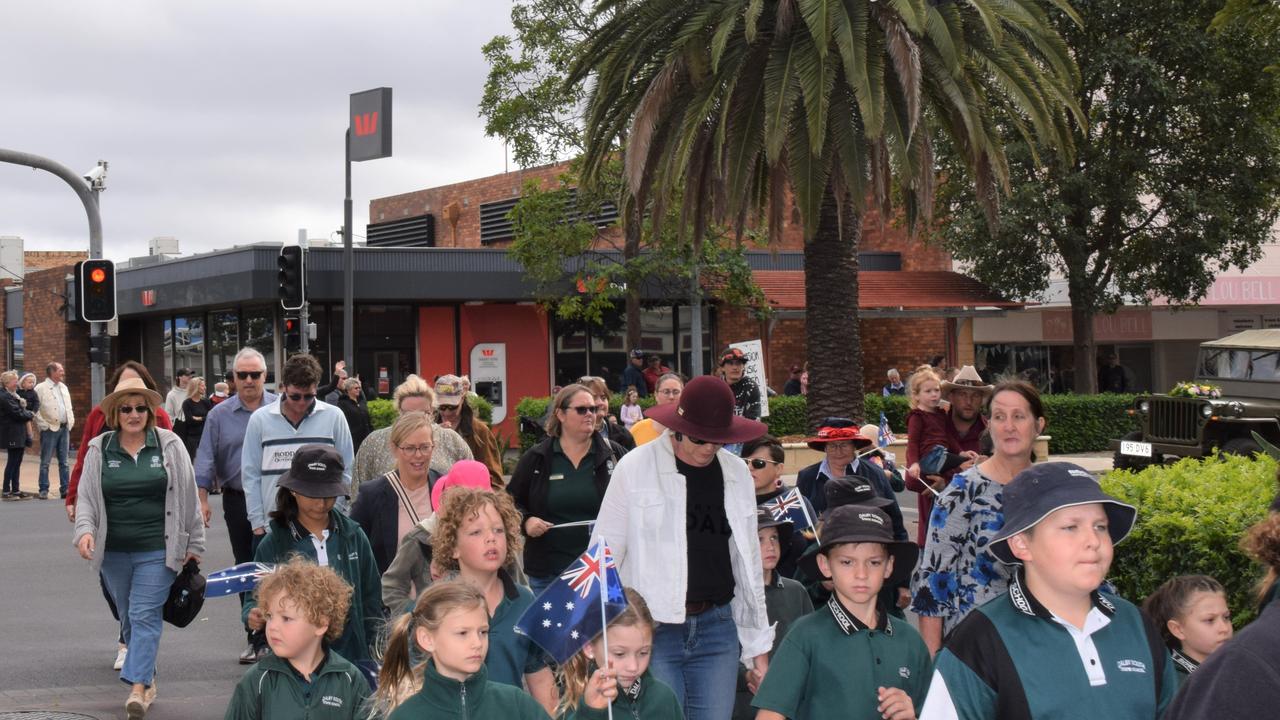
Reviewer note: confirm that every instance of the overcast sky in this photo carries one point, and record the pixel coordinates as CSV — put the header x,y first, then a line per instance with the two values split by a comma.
x,y
223,120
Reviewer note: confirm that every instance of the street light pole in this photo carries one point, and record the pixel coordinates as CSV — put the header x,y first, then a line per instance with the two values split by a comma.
x,y
348,270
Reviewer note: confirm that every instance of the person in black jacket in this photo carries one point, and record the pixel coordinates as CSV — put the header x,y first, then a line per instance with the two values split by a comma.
x,y
14,417
562,480
195,409
388,507
357,414
27,391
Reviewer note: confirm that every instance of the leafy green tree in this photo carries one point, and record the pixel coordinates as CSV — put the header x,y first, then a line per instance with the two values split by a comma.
x,y
1174,178
732,106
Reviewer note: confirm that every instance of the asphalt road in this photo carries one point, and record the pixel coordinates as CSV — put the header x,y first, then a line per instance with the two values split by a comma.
x,y
58,639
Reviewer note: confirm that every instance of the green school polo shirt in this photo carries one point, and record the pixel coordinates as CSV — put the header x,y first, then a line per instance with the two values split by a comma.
x,y
133,491
511,656
830,666
571,497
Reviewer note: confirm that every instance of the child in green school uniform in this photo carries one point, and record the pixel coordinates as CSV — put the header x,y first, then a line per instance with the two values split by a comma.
x,y
850,659
625,680
1053,645
1192,614
306,608
450,624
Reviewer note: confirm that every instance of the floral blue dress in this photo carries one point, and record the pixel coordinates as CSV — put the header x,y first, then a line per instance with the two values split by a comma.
x,y
956,573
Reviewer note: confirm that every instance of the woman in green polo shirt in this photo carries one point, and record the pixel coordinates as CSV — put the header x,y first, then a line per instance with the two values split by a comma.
x,y
138,522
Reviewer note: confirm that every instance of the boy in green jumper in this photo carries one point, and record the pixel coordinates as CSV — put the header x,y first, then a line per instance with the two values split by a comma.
x,y
306,608
851,660
1054,645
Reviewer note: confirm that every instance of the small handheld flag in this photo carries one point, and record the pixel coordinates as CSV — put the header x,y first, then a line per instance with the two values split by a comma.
x,y
567,615
236,579
886,435
790,506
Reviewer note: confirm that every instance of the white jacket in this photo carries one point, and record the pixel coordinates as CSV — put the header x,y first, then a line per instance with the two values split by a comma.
x,y
47,415
642,518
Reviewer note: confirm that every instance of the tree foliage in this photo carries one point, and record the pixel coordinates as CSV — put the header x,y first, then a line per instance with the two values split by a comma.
x,y
1174,177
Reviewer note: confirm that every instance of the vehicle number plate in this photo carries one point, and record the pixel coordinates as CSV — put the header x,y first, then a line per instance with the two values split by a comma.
x,y
1139,449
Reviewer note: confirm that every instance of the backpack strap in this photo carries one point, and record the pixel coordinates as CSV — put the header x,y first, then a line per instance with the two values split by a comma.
x,y
1159,651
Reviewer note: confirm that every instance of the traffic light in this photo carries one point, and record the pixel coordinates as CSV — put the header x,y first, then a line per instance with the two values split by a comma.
x,y
100,350
293,278
292,332
96,290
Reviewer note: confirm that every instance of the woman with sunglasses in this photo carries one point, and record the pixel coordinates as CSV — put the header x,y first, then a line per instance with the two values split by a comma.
x,y
455,413
138,523
667,391
562,480
764,457
680,518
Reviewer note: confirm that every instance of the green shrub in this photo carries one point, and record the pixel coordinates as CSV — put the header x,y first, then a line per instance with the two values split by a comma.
x,y
787,416
481,407
1191,516
1086,423
532,408
382,413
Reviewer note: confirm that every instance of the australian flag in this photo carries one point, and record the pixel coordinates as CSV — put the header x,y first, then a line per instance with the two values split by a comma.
x,y
236,579
566,616
789,506
886,435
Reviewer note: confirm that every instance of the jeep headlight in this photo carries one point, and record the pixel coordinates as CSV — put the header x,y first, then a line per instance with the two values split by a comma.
x,y
1144,407
1206,410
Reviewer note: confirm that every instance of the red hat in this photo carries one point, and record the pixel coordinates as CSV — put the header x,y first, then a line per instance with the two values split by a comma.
x,y
734,354
705,412
464,473
837,434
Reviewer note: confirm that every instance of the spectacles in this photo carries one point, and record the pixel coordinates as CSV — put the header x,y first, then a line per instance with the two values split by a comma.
x,y
671,393
447,408
246,374
301,396
582,409
694,440
131,409
761,463
840,445
424,449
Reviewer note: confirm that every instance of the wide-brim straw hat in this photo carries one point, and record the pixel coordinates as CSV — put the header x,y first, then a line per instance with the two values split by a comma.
x,y
967,379
124,388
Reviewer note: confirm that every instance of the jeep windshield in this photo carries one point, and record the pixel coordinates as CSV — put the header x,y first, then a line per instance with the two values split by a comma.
x,y
1230,364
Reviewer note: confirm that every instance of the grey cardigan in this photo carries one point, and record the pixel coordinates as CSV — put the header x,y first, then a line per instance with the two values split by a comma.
x,y
183,525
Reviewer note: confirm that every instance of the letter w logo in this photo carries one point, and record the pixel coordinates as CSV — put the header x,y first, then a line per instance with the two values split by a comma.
x,y
366,124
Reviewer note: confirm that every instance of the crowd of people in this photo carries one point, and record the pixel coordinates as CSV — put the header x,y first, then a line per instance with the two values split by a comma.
x,y
404,560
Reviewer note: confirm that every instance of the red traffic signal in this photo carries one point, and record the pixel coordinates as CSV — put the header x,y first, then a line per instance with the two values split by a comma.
x,y
96,290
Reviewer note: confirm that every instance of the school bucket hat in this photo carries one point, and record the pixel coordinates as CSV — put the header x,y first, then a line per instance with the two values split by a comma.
x,y
866,524
315,472
705,412
1043,488
765,520
851,490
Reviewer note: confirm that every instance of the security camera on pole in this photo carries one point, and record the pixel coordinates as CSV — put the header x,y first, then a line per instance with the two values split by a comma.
x,y
368,138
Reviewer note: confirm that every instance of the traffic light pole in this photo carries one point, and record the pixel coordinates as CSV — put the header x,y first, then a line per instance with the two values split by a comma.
x,y
348,271
97,373
304,312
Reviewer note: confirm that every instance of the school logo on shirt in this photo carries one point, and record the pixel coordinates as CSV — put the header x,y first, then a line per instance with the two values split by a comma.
x,y
331,701
155,461
354,556
1132,666
113,464
904,673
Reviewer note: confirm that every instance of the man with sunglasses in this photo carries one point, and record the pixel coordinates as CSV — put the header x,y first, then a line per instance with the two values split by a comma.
x,y
276,430
680,517
218,459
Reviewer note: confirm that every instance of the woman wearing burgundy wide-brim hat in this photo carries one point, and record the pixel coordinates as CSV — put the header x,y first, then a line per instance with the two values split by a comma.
x,y
680,517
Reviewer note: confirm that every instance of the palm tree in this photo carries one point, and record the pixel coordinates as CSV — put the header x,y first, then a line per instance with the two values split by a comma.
x,y
729,105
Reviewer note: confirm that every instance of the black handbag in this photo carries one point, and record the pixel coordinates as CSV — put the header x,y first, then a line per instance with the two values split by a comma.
x,y
186,596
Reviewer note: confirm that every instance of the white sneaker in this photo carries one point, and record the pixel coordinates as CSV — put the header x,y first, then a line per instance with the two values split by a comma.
x,y
120,654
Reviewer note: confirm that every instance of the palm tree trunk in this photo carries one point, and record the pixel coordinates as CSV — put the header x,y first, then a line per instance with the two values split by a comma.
x,y
832,343
630,251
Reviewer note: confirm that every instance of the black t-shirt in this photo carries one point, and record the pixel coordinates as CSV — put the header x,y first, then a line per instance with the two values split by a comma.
x,y
708,533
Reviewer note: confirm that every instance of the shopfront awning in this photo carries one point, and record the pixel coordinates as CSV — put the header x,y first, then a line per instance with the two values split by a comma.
x,y
895,294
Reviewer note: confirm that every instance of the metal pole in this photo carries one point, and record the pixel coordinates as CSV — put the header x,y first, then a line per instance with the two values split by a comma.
x,y
97,373
695,320
348,271
304,314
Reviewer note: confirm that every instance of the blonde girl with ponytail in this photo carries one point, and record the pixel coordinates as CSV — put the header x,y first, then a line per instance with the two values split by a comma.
x,y
591,681
449,628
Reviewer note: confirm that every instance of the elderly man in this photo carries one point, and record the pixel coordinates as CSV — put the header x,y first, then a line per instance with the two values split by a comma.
x,y
55,420
218,461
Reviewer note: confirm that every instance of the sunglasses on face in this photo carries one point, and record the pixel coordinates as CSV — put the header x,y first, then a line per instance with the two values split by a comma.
x,y
297,397
447,408
246,374
734,362
131,409
694,440
582,409
761,463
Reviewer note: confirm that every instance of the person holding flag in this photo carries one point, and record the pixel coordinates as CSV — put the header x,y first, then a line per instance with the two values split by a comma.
x,y
679,515
764,457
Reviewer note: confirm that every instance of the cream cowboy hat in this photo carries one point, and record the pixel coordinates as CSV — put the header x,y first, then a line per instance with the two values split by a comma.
x,y
967,379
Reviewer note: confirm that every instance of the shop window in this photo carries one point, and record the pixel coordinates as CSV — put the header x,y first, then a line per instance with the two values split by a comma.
x,y
260,335
224,343
1024,362
189,343
16,353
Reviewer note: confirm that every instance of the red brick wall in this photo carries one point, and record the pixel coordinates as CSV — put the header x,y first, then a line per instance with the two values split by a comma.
x,y
47,336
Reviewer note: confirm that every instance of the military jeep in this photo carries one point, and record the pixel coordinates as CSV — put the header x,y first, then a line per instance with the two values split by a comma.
x,y
1246,367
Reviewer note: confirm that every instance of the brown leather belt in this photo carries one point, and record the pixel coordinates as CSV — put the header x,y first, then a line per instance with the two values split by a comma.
x,y
697,608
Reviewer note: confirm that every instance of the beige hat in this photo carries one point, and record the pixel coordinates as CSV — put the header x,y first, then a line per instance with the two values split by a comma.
x,y
124,388
967,379
449,390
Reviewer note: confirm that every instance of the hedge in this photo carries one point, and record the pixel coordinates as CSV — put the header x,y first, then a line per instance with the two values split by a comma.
x,y
382,412
1077,423
1191,516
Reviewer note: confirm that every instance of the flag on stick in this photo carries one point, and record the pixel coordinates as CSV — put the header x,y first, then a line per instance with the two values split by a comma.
x,y
236,579
577,605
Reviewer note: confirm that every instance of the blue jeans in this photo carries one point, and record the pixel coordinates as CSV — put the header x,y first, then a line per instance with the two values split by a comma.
x,y
699,661
49,441
538,584
140,583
